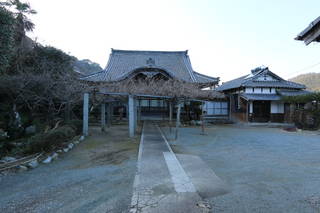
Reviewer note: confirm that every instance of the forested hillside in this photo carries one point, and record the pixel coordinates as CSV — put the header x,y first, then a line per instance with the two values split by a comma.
x,y
311,80
86,67
39,88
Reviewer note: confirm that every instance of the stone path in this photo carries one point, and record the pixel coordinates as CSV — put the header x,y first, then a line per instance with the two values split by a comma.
x,y
163,184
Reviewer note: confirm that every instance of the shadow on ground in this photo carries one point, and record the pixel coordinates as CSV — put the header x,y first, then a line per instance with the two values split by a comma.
x,y
93,177
267,169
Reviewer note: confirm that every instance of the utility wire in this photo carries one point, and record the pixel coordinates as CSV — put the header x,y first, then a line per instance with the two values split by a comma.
x,y
306,68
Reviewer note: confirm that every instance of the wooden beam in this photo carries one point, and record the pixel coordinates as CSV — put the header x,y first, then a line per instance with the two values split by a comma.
x,y
85,114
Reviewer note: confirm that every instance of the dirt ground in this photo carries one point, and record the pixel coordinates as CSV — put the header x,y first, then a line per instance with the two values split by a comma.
x,y
268,169
96,176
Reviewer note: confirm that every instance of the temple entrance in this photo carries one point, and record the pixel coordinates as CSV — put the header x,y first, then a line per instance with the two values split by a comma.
x,y
261,111
153,109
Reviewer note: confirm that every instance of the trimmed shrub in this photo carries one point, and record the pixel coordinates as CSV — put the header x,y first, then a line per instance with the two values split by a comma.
x,y
48,141
307,119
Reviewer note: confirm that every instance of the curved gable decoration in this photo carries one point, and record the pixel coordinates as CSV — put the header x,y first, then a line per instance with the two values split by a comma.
x,y
148,72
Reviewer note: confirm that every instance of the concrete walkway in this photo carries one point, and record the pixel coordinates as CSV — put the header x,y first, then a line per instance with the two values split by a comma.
x,y
163,184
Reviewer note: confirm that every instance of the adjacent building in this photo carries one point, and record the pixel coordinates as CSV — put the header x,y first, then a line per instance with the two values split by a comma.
x,y
311,33
257,96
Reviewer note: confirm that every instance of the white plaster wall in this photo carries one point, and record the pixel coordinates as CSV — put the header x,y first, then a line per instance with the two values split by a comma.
x,y
257,90
248,90
277,107
266,90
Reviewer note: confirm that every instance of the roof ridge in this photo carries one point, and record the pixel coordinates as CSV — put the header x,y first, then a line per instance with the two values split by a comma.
x,y
148,51
207,76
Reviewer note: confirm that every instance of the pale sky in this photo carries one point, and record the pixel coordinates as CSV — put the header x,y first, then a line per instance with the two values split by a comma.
x,y
225,38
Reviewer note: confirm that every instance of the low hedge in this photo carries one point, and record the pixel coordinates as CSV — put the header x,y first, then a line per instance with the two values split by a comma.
x,y
49,140
307,119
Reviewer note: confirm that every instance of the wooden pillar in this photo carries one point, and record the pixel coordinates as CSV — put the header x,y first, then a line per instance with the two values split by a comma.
x,y
135,114
202,118
139,111
249,107
131,115
103,117
85,114
111,113
178,120
109,116
251,110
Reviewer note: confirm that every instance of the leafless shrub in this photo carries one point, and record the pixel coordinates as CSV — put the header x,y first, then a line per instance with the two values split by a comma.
x,y
173,88
42,91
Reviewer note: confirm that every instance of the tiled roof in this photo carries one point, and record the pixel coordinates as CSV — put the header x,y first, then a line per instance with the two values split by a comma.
x,y
235,83
273,97
293,92
251,80
261,97
122,63
311,33
201,78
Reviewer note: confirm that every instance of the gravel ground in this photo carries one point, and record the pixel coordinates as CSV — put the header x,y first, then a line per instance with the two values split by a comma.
x,y
268,169
96,176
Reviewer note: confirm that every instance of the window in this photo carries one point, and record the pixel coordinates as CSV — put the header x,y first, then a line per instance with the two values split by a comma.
x,y
216,108
154,103
253,90
270,89
144,103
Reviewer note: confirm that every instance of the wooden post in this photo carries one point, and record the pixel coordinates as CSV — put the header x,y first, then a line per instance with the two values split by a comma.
x,y
170,115
109,116
202,119
139,112
178,120
131,115
248,110
85,114
111,113
103,117
135,101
